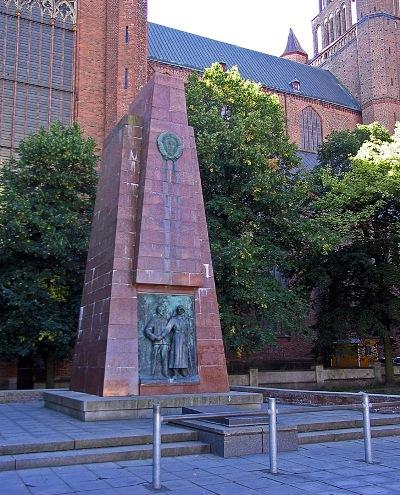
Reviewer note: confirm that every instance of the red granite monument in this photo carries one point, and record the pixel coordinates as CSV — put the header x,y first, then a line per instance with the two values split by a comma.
x,y
149,321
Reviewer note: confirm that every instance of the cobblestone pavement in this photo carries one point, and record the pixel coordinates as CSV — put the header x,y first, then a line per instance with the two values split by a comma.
x,y
323,469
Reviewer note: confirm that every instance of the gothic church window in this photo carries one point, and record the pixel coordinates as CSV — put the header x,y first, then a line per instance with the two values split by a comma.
x,y
326,33
311,129
319,39
343,19
331,28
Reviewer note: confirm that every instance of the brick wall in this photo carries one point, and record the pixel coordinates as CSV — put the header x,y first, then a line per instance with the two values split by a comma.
x,y
367,62
333,117
8,374
111,62
344,64
378,61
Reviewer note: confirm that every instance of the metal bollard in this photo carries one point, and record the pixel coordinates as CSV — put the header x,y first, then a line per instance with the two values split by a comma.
x,y
156,447
367,429
273,446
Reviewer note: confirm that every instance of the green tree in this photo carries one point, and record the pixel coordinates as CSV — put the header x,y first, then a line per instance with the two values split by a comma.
x,y
46,204
248,170
337,150
357,270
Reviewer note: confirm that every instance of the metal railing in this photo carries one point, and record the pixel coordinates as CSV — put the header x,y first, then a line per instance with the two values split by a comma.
x,y
271,413
158,419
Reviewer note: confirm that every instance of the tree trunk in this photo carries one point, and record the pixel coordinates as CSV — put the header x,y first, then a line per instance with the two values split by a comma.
x,y
50,371
388,350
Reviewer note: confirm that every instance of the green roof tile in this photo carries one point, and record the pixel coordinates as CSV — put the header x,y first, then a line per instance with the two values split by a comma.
x,y
197,52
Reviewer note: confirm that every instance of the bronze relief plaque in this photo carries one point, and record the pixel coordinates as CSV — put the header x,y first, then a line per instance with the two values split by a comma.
x,y
170,146
167,339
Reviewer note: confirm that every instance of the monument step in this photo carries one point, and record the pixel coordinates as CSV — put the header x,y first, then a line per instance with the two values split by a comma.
x,y
175,434
92,455
343,424
338,435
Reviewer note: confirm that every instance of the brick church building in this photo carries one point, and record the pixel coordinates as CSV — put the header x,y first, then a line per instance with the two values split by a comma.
x,y
87,59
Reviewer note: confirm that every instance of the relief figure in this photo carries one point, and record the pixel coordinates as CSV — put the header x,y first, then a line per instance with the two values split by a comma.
x,y
156,332
179,354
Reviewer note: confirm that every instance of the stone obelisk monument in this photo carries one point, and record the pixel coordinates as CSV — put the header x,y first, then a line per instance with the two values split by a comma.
x,y
149,321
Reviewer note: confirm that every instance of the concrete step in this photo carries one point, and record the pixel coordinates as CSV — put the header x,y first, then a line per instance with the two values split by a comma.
x,y
109,454
343,424
338,435
174,434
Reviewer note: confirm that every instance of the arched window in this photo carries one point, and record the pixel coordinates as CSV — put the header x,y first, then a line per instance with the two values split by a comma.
x,y
344,20
326,33
338,23
331,29
319,39
311,129
353,12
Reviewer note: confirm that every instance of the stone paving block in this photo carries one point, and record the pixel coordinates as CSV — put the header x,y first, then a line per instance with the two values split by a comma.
x,y
395,486
131,480
178,485
354,482
87,485
347,472
7,463
194,491
286,490
372,490
232,488
16,490
50,490
336,491
319,475
125,490
314,486
258,483
209,480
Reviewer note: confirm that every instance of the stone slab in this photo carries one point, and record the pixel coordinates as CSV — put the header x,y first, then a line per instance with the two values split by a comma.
x,y
235,441
100,455
243,420
88,407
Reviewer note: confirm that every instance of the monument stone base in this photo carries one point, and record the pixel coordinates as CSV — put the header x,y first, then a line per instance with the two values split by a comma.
x,y
237,436
88,407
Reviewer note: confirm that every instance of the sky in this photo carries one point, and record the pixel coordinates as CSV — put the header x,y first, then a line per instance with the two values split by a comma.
x,y
261,25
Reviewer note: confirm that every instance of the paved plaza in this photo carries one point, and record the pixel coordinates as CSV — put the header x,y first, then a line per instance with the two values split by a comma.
x,y
324,469
31,422
335,468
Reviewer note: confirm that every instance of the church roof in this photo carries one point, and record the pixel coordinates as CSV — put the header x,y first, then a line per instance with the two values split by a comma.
x,y
191,51
293,45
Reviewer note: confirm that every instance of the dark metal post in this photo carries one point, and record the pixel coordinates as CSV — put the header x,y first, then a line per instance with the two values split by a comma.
x,y
273,445
367,429
156,447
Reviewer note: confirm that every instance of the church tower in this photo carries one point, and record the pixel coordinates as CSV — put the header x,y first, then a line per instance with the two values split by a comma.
x,y
111,65
66,60
378,60
358,41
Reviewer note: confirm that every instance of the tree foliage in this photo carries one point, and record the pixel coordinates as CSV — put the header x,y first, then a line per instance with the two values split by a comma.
x,y
251,196
337,150
46,202
357,221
